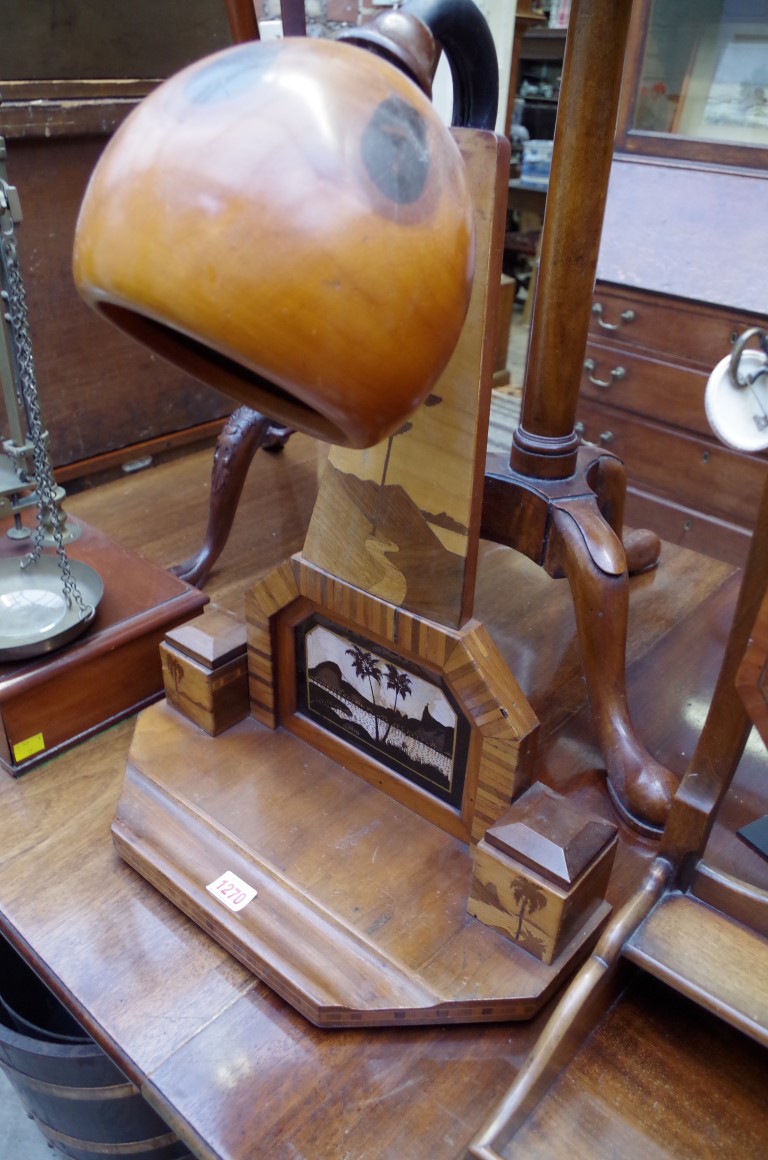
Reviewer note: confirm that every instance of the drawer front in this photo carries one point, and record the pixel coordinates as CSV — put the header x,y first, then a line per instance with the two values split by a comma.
x,y
697,335
646,386
689,529
703,476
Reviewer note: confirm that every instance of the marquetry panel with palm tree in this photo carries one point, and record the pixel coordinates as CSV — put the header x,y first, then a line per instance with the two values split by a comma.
x,y
429,714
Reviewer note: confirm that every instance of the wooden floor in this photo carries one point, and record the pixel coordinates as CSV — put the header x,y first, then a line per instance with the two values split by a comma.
x,y
242,1076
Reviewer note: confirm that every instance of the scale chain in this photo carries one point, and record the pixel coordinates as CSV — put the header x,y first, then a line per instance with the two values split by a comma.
x,y
47,508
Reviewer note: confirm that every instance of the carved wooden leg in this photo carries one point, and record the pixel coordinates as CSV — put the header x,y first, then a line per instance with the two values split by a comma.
x,y
242,435
593,559
608,480
642,549
571,528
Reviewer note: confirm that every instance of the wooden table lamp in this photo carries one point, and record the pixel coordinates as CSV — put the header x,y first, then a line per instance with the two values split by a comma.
x,y
293,224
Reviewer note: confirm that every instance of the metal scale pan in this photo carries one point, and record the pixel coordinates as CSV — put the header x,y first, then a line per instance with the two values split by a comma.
x,y
35,615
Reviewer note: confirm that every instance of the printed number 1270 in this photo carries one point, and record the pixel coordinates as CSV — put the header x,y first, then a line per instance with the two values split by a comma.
x,y
232,891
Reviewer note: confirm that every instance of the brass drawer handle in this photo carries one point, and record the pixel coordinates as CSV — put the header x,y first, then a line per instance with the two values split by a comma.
x,y
616,374
603,439
625,316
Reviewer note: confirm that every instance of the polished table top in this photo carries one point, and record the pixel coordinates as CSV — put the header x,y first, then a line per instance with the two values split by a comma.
x,y
234,1069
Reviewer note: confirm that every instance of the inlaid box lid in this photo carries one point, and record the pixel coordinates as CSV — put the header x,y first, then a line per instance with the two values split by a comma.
x,y
213,639
551,835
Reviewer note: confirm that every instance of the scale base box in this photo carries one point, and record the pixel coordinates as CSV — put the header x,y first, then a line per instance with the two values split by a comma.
x,y
54,701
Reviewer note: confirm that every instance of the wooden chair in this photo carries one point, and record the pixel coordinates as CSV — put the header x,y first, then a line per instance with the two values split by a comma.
x,y
697,929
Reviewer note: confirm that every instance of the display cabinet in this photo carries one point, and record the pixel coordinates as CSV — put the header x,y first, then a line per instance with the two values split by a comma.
x,y
682,270
539,73
69,74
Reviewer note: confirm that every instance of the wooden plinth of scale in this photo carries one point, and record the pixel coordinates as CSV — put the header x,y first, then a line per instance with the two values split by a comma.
x,y
386,733
50,702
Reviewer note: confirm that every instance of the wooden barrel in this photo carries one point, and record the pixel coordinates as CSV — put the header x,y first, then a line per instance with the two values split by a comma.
x,y
81,1102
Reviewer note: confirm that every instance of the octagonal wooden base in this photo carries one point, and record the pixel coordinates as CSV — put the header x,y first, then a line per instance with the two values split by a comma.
x,y
360,913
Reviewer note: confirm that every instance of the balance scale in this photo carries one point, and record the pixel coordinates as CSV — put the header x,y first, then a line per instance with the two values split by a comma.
x,y
78,613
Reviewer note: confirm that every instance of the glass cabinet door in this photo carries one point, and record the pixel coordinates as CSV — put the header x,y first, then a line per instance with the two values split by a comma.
x,y
696,84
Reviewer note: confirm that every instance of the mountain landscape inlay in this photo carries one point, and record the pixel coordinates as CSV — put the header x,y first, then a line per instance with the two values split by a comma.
x,y
402,716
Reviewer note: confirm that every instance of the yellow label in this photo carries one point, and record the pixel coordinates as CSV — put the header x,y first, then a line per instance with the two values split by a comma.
x,y
28,748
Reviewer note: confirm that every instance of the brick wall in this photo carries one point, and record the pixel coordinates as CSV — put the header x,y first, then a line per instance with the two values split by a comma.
x,y
324,17
329,17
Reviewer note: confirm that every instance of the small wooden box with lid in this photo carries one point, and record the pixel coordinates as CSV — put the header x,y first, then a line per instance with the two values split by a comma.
x,y
205,670
542,871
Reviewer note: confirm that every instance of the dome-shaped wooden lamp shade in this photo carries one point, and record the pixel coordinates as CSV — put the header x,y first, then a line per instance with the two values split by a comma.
x,y
289,222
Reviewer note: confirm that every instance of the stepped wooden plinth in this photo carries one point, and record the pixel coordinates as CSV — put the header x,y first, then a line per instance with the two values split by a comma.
x,y
360,913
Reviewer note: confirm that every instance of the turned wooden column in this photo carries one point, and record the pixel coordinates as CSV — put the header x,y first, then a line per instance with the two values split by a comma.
x,y
558,503
545,443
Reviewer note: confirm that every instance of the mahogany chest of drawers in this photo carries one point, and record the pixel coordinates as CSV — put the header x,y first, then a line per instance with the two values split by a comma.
x,y
648,357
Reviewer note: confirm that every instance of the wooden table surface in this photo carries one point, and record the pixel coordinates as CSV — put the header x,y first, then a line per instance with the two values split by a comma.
x,y
235,1070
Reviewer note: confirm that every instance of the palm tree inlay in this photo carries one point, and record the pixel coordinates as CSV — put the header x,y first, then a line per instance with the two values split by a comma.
x,y
529,898
400,683
366,667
